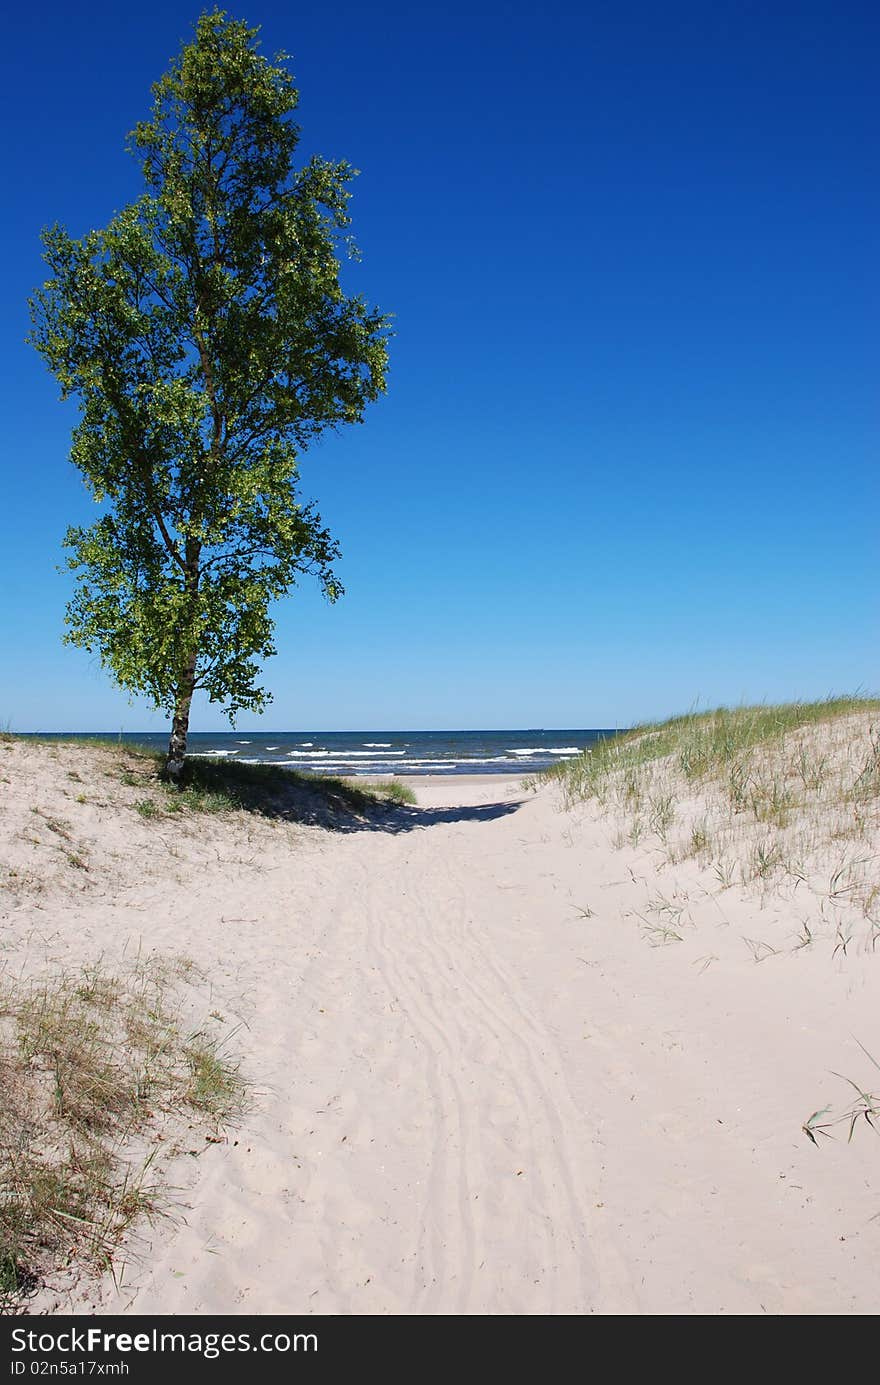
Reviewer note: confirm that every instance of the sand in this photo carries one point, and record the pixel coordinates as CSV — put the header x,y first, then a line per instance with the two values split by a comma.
x,y
477,1087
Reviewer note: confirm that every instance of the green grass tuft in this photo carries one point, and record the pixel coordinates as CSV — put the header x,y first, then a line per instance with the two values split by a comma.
x,y
392,790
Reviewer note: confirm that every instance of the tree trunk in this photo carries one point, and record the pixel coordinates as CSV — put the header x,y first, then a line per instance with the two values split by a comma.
x,y
187,681
180,724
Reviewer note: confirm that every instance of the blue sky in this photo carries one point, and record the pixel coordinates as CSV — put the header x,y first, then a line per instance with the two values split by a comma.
x,y
628,457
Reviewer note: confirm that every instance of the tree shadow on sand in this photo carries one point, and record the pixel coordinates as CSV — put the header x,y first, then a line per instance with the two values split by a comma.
x,y
408,818
338,805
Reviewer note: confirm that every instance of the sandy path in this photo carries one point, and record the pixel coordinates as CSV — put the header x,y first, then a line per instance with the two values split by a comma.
x,y
417,1150
473,1099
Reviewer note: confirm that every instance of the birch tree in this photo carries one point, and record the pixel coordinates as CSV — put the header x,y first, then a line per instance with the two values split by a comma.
x,y
208,341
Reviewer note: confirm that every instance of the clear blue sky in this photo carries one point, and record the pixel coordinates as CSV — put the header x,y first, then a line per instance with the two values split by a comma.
x,y
628,457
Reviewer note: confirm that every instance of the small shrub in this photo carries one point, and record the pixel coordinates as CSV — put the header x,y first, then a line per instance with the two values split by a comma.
x,y
393,790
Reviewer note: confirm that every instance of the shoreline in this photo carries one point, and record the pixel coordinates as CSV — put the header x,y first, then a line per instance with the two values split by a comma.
x,y
440,782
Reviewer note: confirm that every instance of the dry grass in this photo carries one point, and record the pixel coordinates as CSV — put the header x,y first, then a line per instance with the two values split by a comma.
x,y
96,1077
766,798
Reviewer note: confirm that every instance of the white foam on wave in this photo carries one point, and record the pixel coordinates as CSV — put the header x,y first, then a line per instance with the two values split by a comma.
x,y
341,754
273,747
546,750
379,766
243,742
377,745
484,760
465,760
346,767
421,766
434,764
405,769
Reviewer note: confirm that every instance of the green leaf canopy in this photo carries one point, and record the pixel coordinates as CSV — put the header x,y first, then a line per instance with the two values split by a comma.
x,y
208,339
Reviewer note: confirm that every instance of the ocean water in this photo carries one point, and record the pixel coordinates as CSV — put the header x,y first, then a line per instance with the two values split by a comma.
x,y
387,752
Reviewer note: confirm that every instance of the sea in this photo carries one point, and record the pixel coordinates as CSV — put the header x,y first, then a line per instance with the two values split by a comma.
x,y
384,752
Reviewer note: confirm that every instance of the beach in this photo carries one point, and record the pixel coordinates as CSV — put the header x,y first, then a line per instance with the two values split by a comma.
x,y
475,1086
440,721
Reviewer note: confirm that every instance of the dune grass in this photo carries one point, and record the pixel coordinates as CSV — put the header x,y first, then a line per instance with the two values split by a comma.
x,y
96,1076
223,785
390,790
758,795
705,744
863,1110
218,785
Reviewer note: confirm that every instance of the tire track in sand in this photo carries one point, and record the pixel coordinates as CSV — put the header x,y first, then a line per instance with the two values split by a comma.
x,y
505,1200
448,1117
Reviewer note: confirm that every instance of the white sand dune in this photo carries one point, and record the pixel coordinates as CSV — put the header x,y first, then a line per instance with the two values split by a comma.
x,y
478,1088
